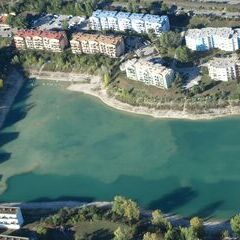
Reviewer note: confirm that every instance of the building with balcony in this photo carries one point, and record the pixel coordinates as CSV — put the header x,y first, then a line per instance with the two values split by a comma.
x,y
149,73
205,39
10,217
40,40
123,21
112,46
224,69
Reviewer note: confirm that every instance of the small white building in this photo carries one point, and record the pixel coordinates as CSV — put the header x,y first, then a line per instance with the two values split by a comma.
x,y
8,237
205,39
224,69
11,217
149,73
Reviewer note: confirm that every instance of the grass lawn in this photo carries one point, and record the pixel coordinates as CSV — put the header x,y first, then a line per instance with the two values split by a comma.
x,y
99,229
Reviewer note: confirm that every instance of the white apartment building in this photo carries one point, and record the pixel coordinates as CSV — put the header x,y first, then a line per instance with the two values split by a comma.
x,y
224,69
10,217
40,40
205,39
123,21
149,73
112,46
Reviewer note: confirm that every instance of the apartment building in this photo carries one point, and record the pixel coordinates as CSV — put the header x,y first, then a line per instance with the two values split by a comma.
x,y
224,69
123,21
8,237
149,73
112,46
205,39
40,40
10,217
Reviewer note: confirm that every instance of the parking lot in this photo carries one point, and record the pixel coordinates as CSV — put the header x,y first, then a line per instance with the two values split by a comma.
x,y
57,22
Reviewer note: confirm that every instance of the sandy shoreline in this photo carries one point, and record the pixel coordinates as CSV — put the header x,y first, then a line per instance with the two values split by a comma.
x,y
211,226
91,85
96,90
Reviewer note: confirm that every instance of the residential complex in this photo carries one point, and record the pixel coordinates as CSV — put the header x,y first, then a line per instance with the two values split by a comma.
x,y
112,46
8,237
10,217
40,40
123,21
224,69
149,73
205,39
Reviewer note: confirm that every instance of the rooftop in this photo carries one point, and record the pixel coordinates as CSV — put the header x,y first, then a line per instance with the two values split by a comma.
x,y
142,64
224,62
205,32
97,37
8,210
38,33
133,16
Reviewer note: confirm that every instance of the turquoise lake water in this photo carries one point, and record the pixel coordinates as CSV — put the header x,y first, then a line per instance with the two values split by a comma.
x,y
58,144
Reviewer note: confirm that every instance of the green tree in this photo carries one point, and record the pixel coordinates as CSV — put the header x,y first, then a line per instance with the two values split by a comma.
x,y
151,236
126,208
197,224
188,234
65,25
235,224
171,234
106,79
183,54
170,39
123,234
41,230
158,218
164,8
1,83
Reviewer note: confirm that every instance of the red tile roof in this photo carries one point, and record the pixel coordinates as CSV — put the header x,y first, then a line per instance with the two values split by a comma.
x,y
44,34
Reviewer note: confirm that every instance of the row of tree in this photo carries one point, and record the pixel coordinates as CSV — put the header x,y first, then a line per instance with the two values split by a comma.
x,y
127,211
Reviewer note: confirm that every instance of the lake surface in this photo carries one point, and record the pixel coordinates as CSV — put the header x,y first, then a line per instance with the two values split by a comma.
x,y
58,144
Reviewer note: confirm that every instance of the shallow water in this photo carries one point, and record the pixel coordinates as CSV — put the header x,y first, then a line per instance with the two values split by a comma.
x,y
59,144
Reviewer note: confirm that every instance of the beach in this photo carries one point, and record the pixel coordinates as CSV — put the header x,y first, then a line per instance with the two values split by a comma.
x,y
92,85
96,89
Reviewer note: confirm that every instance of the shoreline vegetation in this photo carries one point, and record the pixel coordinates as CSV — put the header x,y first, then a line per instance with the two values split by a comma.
x,y
132,216
94,88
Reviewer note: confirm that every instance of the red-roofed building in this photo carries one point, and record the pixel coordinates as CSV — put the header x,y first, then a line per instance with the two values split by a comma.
x,y
40,40
3,21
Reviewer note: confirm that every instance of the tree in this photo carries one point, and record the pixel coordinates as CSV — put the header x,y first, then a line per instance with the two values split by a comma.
x,y
164,8
65,25
151,236
171,234
158,218
41,230
1,83
235,224
106,79
188,234
183,54
126,208
197,224
123,233
170,39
